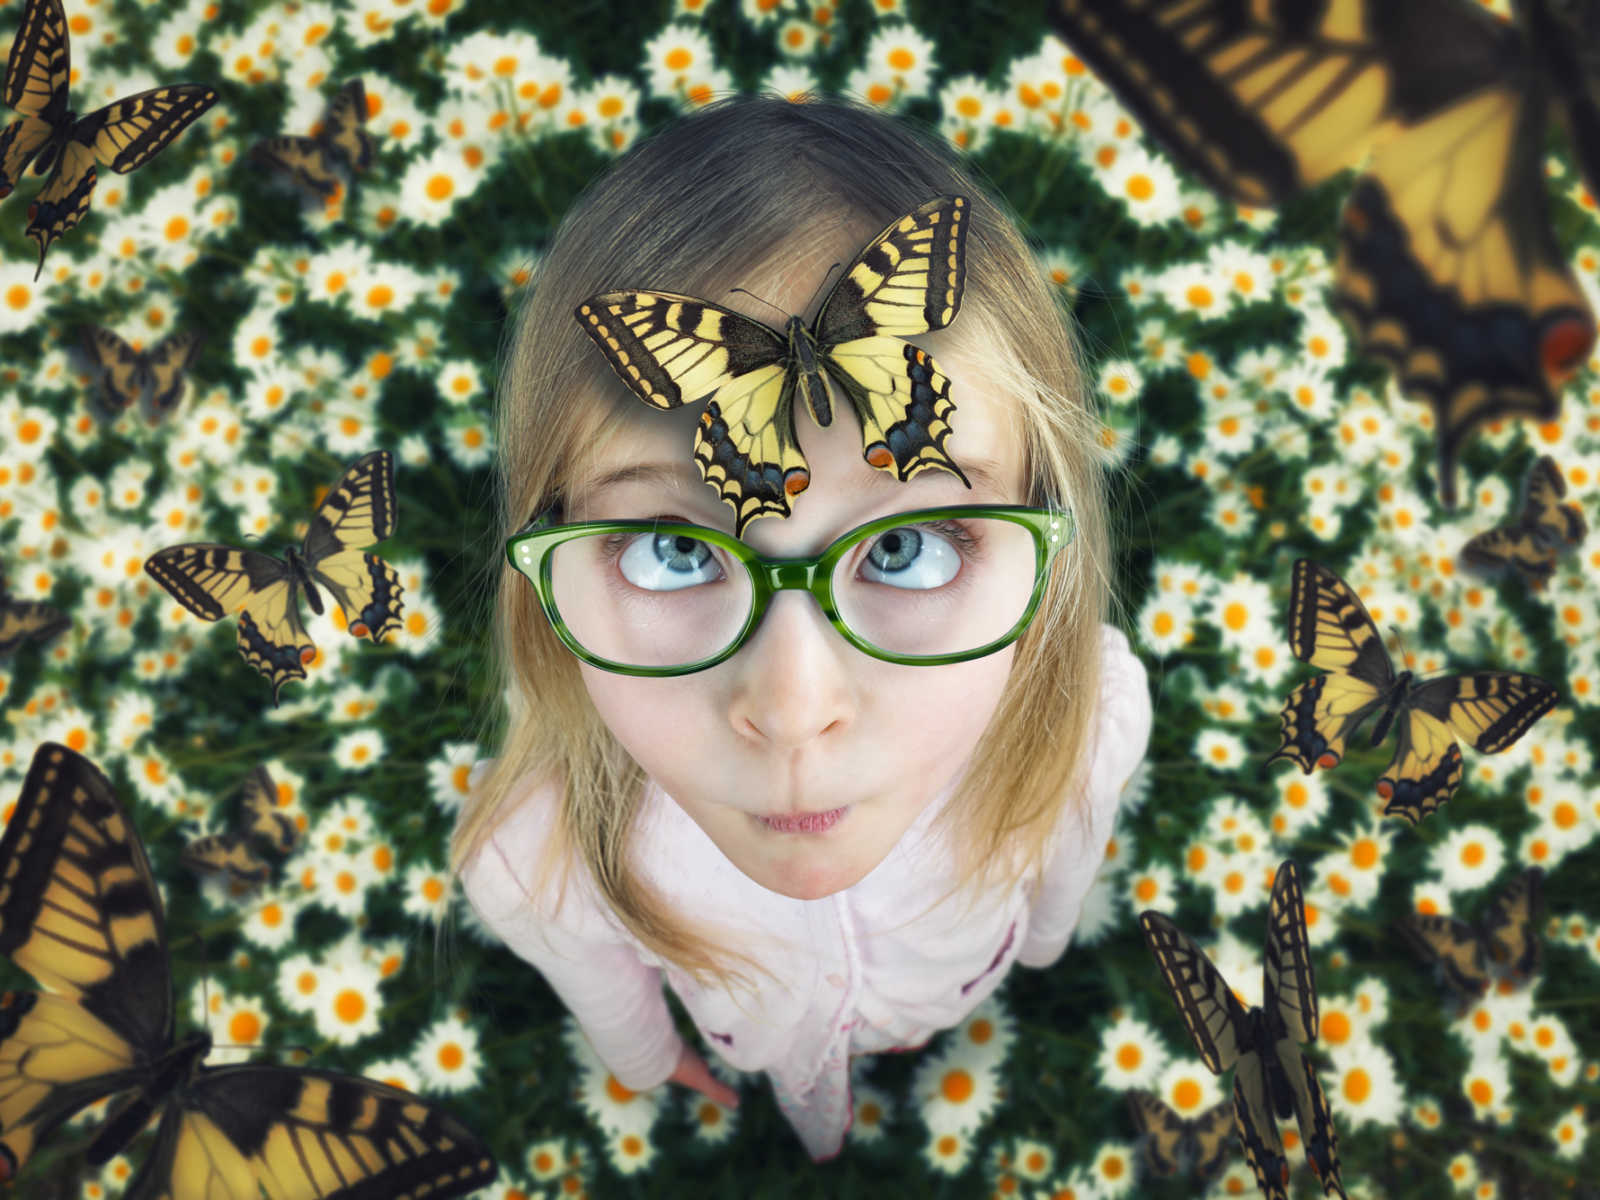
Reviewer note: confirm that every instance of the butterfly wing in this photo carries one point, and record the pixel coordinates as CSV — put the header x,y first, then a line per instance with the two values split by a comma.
x,y
1213,1132
37,74
1218,1024
227,854
357,511
1516,546
278,1133
1289,987
1329,628
1490,709
1558,525
165,364
671,350
342,127
1259,108
1311,1114
79,911
907,280
212,581
1511,926
305,160
1450,945
1448,268
1253,1116
29,621
123,370
123,135
264,822
1163,1130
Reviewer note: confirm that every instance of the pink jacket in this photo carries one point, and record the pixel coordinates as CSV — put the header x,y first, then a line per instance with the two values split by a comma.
x,y
856,975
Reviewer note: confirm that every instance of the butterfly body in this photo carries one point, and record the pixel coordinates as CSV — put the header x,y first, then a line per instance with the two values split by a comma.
x,y
671,349
80,912
1329,628
1449,269
123,135
213,580
1272,1078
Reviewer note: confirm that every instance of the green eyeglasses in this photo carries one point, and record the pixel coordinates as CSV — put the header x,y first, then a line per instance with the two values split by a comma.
x,y
920,588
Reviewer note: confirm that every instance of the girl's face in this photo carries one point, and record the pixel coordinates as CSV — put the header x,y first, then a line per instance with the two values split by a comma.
x,y
800,721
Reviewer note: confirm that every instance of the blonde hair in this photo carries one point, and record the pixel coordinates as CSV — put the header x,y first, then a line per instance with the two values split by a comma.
x,y
690,210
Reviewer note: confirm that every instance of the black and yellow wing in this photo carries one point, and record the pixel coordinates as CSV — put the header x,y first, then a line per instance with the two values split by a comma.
x,y
671,349
283,1133
1329,628
28,621
1219,1026
213,580
79,911
357,511
1488,709
165,364
1511,926
1173,1142
123,136
37,73
303,159
269,827
1543,529
1448,268
344,127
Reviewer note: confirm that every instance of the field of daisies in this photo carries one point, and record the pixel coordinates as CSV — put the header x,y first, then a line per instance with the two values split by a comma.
x,y
1246,433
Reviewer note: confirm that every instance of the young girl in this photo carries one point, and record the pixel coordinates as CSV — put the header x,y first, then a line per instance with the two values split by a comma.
x,y
825,853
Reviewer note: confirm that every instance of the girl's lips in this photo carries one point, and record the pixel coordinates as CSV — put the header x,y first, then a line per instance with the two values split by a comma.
x,y
806,823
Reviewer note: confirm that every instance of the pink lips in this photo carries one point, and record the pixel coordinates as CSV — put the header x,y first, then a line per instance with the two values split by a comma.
x,y
808,823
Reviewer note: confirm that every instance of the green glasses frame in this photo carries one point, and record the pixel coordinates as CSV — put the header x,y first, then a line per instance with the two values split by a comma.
x,y
528,550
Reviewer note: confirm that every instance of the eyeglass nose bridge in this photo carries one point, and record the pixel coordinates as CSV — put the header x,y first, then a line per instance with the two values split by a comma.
x,y
789,574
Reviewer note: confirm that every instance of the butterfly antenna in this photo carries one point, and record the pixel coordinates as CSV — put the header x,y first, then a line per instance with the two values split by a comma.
x,y
759,300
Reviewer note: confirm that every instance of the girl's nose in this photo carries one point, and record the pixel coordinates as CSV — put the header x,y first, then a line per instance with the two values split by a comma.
x,y
792,681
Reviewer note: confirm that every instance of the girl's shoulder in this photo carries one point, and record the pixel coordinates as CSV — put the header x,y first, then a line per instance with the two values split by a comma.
x,y
511,868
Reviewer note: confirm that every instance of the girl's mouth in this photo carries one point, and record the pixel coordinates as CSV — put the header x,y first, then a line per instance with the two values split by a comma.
x,y
805,822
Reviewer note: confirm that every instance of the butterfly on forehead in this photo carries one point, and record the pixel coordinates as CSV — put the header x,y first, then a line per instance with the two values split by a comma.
x,y
1449,268
123,136
213,580
153,378
672,350
80,912
1329,628
309,161
1507,938
1543,529
1272,1077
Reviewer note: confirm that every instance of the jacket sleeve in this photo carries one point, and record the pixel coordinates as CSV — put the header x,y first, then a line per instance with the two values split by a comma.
x,y
582,955
1122,734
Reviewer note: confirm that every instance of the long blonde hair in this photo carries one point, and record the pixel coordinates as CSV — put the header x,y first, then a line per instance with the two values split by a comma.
x,y
692,209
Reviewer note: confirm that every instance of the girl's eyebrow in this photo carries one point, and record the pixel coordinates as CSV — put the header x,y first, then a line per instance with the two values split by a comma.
x,y
982,472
